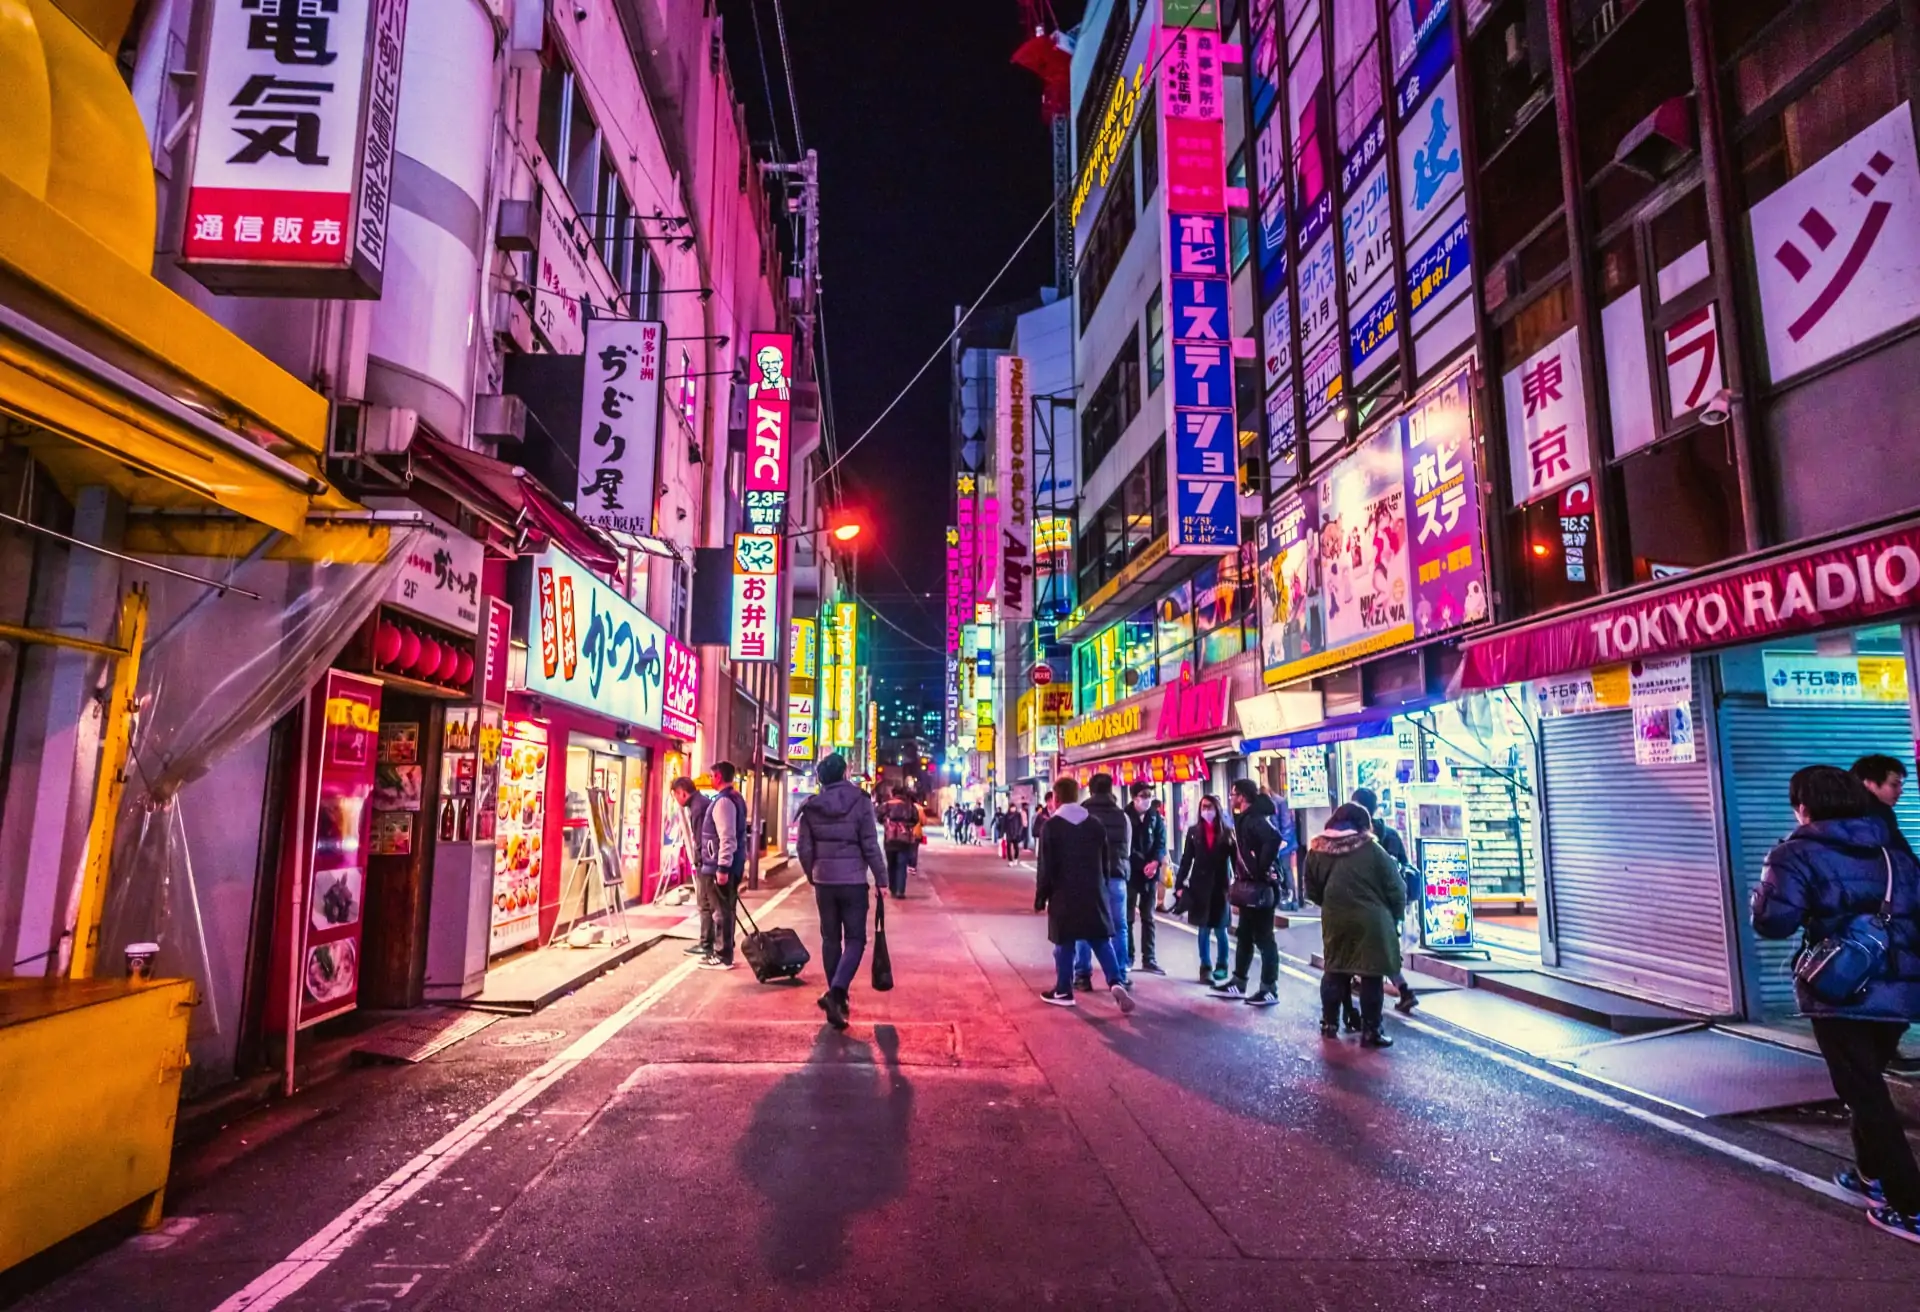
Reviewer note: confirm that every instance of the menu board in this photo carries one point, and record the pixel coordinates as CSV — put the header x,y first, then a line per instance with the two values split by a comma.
x,y
519,825
348,715
1446,895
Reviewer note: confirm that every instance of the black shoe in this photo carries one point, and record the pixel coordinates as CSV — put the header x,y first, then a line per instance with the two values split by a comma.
x,y
700,950
1153,968
1083,983
1206,974
1375,1039
1264,998
1329,1030
1350,1017
836,1008
1059,999
1406,1002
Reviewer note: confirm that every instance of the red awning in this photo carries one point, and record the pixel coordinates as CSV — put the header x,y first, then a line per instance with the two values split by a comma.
x,y
509,496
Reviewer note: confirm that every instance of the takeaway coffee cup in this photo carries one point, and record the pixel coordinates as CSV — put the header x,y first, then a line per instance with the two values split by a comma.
x,y
140,960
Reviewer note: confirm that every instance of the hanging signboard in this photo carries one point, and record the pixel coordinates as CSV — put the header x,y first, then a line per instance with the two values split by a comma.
x,y
1547,419
592,647
346,711
769,430
680,693
294,148
1011,468
756,598
620,423
440,578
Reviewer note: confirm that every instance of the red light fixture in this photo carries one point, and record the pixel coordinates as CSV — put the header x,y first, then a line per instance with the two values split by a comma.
x,y
1541,549
845,532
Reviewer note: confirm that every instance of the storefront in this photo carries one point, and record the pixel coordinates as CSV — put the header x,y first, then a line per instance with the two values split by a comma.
x,y
1670,720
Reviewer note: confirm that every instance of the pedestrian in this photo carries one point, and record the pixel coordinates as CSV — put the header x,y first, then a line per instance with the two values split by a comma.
x,y
723,857
1839,865
1256,849
1361,897
900,820
1389,839
1145,858
839,847
691,817
1073,863
919,833
1283,823
1885,778
1206,868
1105,808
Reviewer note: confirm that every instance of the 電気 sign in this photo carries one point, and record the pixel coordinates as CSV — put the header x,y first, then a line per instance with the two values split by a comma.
x,y
293,153
769,429
1012,467
620,423
680,693
591,647
756,597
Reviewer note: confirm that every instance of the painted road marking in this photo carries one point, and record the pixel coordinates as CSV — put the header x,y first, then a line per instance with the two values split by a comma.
x,y
287,1277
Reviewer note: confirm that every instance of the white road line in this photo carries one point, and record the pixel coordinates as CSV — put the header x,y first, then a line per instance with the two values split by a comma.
x,y
1759,1161
287,1277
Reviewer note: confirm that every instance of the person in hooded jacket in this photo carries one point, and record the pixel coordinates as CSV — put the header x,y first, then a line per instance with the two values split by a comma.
x,y
1838,864
839,847
1206,868
1073,861
1105,807
1361,897
1256,851
902,820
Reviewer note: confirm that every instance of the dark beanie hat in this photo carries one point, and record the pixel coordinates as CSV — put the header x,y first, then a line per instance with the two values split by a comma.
x,y
832,768
1351,817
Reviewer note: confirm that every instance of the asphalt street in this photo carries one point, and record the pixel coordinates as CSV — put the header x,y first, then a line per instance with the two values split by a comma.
x,y
668,1137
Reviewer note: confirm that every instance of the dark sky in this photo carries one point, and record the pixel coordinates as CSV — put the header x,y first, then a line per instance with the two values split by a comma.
x,y
934,162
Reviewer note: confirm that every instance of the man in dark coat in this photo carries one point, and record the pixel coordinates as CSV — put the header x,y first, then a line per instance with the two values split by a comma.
x,y
1385,834
839,847
1104,807
1146,854
1256,846
693,820
1885,778
1073,860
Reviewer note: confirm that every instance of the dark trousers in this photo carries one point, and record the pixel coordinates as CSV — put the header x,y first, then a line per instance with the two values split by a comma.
x,y
1256,931
1857,1053
1140,896
726,911
898,859
708,901
843,931
1334,994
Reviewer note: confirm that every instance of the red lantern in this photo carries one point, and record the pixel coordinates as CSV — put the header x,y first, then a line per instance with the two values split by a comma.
x,y
464,675
409,651
429,660
386,643
449,663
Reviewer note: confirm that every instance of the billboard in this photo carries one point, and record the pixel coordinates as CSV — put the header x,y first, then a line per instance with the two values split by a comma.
x,y
769,429
1012,470
591,647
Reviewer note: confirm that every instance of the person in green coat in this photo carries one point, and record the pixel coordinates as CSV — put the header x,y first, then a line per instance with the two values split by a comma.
x,y
1362,897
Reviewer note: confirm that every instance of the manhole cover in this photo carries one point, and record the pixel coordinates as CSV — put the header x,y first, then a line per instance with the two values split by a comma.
x,y
526,1038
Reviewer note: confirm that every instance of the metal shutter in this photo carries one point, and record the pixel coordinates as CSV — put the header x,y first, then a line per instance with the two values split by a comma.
x,y
1638,898
1762,747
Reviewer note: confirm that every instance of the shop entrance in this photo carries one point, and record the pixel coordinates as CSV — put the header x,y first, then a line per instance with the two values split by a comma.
x,y
619,770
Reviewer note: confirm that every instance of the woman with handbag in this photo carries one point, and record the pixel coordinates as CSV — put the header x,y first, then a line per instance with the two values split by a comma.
x,y
1361,897
1855,898
1206,868
1256,892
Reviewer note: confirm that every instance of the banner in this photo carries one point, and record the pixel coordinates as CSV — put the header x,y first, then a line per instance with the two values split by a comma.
x,y
346,709
620,423
597,650
1012,461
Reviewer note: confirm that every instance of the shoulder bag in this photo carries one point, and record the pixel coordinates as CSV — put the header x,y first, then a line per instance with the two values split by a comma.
x,y
882,960
1838,969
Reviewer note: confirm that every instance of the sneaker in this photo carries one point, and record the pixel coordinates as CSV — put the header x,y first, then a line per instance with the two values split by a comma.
x,y
1375,1039
1867,1193
1059,999
711,962
1123,996
1153,968
1405,1003
1898,1224
1230,989
1264,998
1083,983
1221,977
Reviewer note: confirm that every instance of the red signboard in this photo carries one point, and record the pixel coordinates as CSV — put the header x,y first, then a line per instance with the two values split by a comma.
x,y
1189,710
1847,583
346,717
680,706
496,638
769,424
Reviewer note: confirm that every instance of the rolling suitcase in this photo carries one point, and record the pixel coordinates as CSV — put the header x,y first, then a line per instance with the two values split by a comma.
x,y
774,954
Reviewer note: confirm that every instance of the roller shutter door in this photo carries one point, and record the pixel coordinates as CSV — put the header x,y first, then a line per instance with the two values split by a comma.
x,y
1634,860
1762,747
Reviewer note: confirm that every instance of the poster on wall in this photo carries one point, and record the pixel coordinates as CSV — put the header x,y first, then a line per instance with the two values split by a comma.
x,y
1449,551
1308,785
1446,895
520,827
1663,735
1362,532
1288,576
347,708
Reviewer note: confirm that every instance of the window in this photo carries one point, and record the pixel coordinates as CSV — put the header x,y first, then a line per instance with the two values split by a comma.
x,y
1838,107
1112,406
1132,518
1156,342
1239,240
1149,149
1106,240
1554,547
1683,504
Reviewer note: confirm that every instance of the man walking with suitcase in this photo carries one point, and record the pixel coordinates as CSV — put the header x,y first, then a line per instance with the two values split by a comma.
x,y
839,848
723,856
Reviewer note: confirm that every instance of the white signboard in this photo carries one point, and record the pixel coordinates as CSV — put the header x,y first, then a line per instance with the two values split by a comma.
x,y
1547,420
1013,467
440,578
1838,249
1366,233
1623,334
589,646
756,597
1665,682
620,423
1693,361
564,274
293,158
1274,335
1804,678
1318,282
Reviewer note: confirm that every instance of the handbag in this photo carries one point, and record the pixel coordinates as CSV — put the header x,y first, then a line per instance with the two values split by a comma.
x,y
882,960
1252,894
1838,969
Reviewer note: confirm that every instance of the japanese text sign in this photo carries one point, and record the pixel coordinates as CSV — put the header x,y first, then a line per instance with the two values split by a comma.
x,y
680,699
769,428
756,597
439,579
1443,491
293,158
1013,468
1547,419
595,649
346,710
620,423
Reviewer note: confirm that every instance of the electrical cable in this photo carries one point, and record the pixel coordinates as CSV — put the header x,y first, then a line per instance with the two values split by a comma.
x,y
766,83
786,58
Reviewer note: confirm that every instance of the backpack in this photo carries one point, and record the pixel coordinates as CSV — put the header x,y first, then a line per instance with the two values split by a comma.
x,y
898,831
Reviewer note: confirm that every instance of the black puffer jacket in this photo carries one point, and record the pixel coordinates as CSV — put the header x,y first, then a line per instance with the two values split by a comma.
x,y
839,838
1119,830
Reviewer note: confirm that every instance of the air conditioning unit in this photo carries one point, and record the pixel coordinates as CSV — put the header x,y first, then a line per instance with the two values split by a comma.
x,y
517,227
1659,143
499,417
387,430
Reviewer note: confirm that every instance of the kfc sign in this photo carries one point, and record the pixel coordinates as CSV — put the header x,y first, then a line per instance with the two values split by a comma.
x,y
293,157
769,419
620,423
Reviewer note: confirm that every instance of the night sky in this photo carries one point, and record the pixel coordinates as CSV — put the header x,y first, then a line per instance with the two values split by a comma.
x,y
934,162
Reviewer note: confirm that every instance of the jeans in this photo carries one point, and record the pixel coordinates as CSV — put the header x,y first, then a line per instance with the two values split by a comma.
x,y
1063,963
726,910
1140,897
1212,936
897,863
709,902
1857,1053
1256,930
843,931
1117,903
1334,995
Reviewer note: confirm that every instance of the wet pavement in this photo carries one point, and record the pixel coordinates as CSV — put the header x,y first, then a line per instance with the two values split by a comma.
x,y
669,1137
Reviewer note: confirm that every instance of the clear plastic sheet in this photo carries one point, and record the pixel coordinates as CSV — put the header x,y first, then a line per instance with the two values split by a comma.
x,y
219,669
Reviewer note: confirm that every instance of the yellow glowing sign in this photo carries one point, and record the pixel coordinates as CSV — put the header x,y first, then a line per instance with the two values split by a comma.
x,y
1123,107
1107,724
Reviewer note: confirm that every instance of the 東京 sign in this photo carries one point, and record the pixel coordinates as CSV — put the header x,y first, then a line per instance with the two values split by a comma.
x,y
294,149
1847,583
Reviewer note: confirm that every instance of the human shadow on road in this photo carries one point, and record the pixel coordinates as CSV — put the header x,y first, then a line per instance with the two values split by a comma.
x,y
827,1143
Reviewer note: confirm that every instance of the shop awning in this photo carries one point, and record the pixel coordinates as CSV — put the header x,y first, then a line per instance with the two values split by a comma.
x,y
1850,579
511,498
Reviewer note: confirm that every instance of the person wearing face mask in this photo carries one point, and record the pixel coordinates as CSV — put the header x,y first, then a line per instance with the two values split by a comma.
x,y
1144,859
1256,846
1206,868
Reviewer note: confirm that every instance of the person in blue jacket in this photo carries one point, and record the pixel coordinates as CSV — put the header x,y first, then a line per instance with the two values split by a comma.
x,y
1841,863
